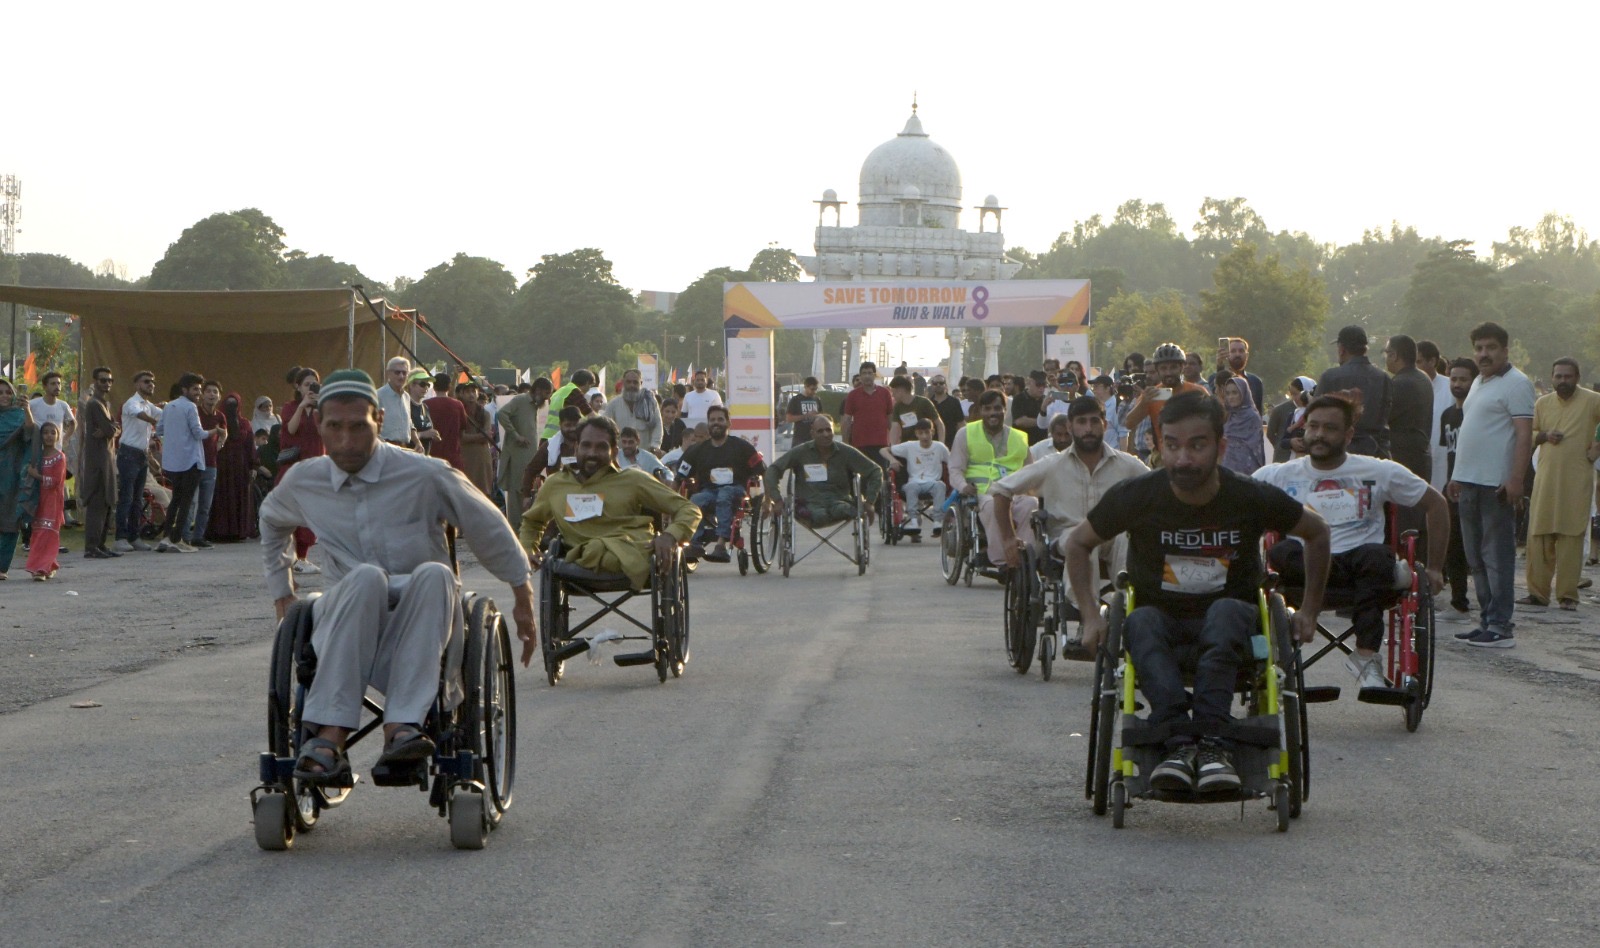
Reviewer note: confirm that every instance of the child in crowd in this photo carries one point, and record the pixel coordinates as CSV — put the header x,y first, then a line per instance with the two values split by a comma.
x,y
49,470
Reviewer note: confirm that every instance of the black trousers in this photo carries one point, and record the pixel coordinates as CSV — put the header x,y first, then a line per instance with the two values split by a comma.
x,y
1367,570
184,484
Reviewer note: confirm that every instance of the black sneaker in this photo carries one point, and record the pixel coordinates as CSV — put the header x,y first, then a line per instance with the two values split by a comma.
x,y
1491,639
1463,636
201,544
1176,773
1216,770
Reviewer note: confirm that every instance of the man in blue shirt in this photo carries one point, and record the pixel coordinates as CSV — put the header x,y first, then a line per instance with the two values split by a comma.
x,y
183,458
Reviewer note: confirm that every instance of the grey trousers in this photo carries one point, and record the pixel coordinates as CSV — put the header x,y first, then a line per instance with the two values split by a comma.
x,y
390,633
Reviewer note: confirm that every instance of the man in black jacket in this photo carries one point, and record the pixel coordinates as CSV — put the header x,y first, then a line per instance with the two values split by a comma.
x,y
1356,373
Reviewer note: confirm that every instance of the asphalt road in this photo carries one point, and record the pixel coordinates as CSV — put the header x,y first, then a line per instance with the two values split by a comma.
x,y
847,761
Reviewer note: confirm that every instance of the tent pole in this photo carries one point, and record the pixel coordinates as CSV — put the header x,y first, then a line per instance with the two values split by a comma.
x,y
350,346
11,353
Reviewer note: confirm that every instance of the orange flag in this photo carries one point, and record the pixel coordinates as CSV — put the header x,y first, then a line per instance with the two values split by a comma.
x,y
462,377
30,371
555,377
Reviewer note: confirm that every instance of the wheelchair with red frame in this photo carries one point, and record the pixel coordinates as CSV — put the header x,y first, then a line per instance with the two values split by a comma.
x,y
746,552
1407,648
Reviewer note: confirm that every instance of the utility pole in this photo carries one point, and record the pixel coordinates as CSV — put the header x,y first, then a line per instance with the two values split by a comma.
x,y
10,212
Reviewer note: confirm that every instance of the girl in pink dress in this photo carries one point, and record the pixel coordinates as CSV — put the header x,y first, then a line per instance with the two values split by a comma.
x,y
50,470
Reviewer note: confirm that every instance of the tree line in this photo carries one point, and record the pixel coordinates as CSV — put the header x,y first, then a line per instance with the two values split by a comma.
x,y
1229,274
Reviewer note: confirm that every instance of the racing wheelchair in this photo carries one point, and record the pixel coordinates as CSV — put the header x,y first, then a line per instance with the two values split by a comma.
x,y
1037,595
469,777
1408,642
774,532
1270,743
561,582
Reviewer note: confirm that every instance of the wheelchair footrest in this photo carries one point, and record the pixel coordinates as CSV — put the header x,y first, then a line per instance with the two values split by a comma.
x,y
1320,694
1073,652
572,649
626,659
406,773
1397,697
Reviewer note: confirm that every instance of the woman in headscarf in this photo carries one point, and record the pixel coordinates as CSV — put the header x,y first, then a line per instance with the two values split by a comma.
x,y
1246,445
1301,390
265,419
232,507
47,472
17,431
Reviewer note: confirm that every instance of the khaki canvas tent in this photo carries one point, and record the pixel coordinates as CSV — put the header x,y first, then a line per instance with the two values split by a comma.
x,y
245,339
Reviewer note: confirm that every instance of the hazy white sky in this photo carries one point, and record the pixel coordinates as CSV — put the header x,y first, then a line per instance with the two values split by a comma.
x,y
680,137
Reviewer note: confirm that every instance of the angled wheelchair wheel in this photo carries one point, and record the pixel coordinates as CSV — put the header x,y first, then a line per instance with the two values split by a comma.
x,y
1020,631
763,540
552,623
489,720
1422,642
1295,719
863,540
952,546
305,802
786,538
1105,715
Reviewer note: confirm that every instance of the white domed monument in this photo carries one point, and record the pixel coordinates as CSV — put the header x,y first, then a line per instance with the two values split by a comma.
x,y
909,230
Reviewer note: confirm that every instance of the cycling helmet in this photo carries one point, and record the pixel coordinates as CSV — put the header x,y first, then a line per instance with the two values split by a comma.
x,y
1167,352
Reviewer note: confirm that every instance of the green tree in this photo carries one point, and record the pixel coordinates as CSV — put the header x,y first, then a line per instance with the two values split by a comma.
x,y
774,265
1225,222
1133,322
1450,292
46,269
1555,250
1279,310
303,272
467,301
238,250
574,307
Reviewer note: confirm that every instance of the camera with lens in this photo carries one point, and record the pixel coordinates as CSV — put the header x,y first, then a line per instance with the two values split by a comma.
x,y
316,387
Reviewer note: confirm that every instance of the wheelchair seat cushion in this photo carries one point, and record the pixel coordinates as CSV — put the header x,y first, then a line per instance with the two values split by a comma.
x,y
589,579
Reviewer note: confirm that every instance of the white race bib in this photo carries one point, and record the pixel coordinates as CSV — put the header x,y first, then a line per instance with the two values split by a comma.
x,y
1194,575
908,419
722,476
816,473
582,507
1337,506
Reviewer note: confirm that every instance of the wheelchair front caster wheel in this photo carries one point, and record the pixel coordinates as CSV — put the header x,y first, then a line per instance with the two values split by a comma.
x,y
469,821
1119,803
274,822
1280,803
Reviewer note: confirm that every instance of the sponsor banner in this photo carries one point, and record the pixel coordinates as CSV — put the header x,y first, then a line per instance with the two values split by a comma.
x,y
1066,346
942,305
649,372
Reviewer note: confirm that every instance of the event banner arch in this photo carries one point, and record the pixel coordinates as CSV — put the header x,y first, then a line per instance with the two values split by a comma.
x,y
751,311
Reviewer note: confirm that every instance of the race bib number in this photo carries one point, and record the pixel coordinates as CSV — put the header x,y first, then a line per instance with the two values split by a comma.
x,y
722,476
1194,575
908,419
1336,506
581,507
816,473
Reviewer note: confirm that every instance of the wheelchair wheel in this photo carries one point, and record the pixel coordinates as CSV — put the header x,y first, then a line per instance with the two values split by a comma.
x,y
786,538
1422,643
305,801
952,546
763,540
743,557
1047,649
1119,803
678,639
863,541
490,718
1020,630
1296,740
1105,714
274,824
1280,804
552,623
469,819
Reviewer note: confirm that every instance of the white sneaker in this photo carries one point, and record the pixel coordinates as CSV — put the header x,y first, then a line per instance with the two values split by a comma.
x,y
142,546
306,566
182,547
1368,671
164,547
123,546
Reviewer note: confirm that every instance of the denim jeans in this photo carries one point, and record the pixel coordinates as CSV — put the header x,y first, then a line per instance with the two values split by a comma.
x,y
723,498
1215,645
1488,533
200,510
131,472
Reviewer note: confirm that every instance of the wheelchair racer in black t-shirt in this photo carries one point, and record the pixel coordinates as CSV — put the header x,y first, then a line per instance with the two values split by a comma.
x,y
1194,561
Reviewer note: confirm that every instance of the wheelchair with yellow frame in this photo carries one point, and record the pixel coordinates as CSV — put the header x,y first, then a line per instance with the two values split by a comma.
x,y
1269,742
